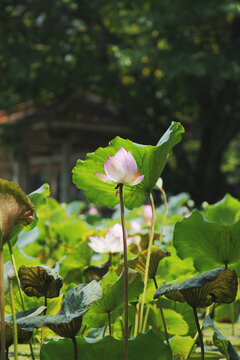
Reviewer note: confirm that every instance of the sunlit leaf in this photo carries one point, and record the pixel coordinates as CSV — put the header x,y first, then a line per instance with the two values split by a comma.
x,y
176,325
218,285
40,281
146,346
225,212
113,297
208,244
181,345
150,161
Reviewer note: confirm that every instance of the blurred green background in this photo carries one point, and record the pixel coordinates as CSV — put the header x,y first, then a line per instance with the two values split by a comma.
x,y
146,63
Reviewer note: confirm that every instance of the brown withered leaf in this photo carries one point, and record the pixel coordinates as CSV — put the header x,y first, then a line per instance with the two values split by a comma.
x,y
40,281
139,262
15,208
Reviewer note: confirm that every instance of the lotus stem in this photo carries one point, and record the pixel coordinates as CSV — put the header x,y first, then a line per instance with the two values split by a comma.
x,y
232,317
75,348
109,323
164,197
3,329
15,332
136,320
200,336
16,273
125,273
44,313
19,290
161,311
151,236
145,319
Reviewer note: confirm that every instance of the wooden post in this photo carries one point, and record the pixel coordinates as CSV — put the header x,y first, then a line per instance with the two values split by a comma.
x,y
65,175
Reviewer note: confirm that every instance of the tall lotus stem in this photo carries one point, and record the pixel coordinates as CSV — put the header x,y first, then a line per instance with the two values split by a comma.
x,y
109,323
161,311
16,273
199,333
15,332
3,329
151,236
120,186
44,313
164,197
19,290
75,348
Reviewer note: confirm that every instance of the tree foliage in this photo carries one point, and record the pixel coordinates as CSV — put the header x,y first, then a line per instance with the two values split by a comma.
x,y
159,61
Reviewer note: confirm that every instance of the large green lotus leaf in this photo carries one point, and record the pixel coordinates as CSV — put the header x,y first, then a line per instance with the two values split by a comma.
x,y
72,266
113,297
68,320
227,313
176,325
146,346
150,161
225,212
218,285
15,210
224,346
173,267
185,310
139,262
207,243
181,345
40,281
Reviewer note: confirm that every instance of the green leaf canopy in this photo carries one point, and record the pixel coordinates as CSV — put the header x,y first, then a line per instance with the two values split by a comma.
x,y
150,161
146,346
218,285
208,244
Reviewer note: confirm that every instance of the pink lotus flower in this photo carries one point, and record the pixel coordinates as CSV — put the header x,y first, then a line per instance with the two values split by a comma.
x,y
121,169
147,214
112,243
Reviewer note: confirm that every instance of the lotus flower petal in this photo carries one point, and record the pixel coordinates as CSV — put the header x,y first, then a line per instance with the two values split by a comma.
x,y
121,169
112,243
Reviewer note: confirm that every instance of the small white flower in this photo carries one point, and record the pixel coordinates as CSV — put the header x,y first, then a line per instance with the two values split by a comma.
x,y
112,243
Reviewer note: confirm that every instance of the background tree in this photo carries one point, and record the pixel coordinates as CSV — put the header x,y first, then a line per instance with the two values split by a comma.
x,y
157,60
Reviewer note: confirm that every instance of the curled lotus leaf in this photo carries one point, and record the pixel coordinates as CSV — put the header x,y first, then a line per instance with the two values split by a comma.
x,y
218,285
23,334
139,262
40,281
224,345
68,320
15,209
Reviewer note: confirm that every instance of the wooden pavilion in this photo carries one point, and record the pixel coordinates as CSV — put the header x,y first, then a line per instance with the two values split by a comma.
x,y
42,144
